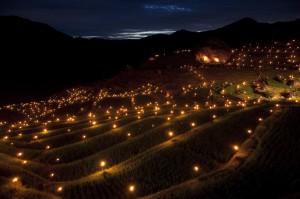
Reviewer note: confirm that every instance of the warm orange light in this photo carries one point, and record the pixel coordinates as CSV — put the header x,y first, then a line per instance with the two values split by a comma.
x,y
59,189
102,163
94,123
15,179
84,136
217,59
205,58
196,168
131,188
235,147
114,126
51,175
249,131
193,124
171,133
19,154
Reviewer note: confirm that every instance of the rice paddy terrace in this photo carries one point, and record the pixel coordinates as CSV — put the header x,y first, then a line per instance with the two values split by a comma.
x,y
202,137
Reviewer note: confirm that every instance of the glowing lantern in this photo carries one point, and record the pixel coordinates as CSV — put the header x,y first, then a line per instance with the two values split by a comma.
x,y
196,168
235,147
14,180
217,59
131,188
205,58
102,163
59,189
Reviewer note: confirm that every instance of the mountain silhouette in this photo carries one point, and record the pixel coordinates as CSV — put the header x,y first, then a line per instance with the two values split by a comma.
x,y
37,59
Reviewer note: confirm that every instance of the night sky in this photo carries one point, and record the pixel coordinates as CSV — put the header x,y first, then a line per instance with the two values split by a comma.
x,y
138,18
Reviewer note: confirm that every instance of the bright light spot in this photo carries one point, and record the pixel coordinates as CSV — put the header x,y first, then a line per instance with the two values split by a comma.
x,y
217,59
131,188
84,136
59,189
171,133
15,179
102,163
193,124
19,154
114,126
94,123
51,175
205,58
249,131
235,147
196,168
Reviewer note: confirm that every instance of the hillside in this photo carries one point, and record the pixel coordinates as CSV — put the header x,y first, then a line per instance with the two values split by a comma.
x,y
32,48
186,132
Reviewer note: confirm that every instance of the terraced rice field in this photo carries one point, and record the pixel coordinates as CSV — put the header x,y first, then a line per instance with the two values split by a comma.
x,y
148,152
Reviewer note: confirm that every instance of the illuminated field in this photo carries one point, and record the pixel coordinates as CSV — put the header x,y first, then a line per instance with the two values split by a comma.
x,y
186,132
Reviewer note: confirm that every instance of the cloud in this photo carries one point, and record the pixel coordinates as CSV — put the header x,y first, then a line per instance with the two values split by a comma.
x,y
138,34
168,8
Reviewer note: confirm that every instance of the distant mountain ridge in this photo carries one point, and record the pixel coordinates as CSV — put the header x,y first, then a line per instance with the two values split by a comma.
x,y
31,48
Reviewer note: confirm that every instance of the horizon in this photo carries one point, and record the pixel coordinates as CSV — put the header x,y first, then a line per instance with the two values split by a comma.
x,y
137,19
135,34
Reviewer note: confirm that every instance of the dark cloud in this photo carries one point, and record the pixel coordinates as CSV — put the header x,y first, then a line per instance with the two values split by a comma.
x,y
112,17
